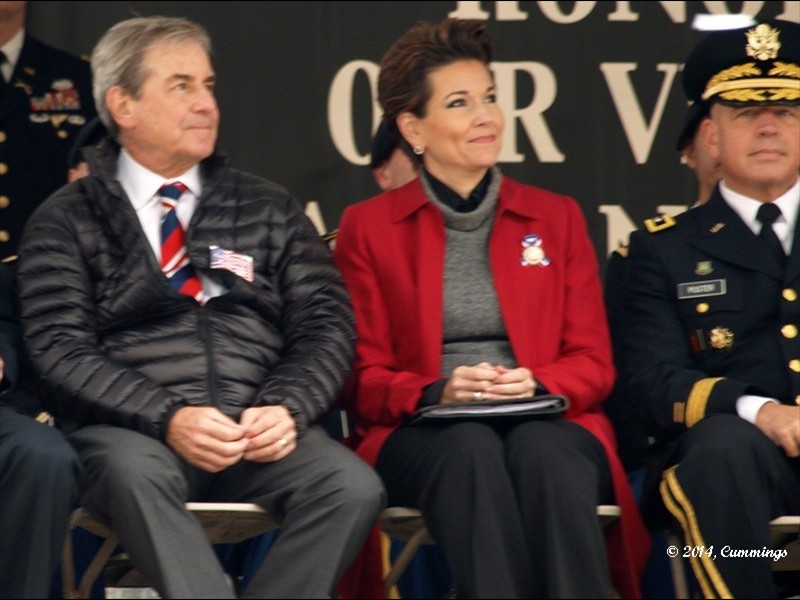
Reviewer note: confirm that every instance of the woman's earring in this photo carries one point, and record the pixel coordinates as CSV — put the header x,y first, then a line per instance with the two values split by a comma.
x,y
419,150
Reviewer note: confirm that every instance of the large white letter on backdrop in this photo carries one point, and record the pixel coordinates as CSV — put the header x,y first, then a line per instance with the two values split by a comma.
x,y
340,109
638,130
531,116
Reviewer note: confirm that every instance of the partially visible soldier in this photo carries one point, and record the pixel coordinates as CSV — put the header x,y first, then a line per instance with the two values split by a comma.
x,y
89,136
45,99
695,155
393,163
39,470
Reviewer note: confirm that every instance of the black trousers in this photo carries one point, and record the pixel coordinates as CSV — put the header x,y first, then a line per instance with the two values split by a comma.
x,y
513,508
38,491
726,481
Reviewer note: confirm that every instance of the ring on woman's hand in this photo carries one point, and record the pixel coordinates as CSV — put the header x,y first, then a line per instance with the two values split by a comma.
x,y
477,396
282,442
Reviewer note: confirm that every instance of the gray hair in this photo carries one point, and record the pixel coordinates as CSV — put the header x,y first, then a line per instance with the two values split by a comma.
x,y
118,57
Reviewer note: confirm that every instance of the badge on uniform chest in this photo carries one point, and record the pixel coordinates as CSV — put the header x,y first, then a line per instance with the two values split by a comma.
x,y
718,338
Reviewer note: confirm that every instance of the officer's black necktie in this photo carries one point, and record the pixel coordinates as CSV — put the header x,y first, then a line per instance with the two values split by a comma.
x,y
768,213
2,77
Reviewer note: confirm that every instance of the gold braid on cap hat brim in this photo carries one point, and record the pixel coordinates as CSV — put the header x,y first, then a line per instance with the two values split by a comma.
x,y
761,95
746,87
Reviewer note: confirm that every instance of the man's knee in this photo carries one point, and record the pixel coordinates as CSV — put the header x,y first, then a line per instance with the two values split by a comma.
x,y
725,435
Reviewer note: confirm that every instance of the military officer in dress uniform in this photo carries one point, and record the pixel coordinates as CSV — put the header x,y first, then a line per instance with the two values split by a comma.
x,y
45,99
712,345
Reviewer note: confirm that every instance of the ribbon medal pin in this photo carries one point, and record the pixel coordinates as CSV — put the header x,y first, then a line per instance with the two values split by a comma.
x,y
532,251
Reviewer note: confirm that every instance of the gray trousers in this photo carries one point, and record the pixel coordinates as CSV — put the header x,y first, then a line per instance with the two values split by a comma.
x,y
326,497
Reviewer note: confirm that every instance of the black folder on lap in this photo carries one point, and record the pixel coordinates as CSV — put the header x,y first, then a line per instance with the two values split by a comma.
x,y
534,407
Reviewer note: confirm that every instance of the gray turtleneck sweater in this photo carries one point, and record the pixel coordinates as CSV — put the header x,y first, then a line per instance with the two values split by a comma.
x,y
473,327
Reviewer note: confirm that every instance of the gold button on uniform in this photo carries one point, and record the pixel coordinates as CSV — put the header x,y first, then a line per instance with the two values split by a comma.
x,y
3,168
789,295
4,235
797,400
794,365
789,331
5,201
3,137
702,307
62,134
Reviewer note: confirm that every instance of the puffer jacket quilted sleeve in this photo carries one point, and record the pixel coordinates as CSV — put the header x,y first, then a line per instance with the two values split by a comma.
x,y
117,345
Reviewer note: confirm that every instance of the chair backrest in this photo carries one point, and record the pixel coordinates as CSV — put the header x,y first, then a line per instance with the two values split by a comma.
x,y
785,535
223,522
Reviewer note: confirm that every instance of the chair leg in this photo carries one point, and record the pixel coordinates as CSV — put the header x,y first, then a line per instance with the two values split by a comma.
x,y
677,568
401,562
92,572
68,568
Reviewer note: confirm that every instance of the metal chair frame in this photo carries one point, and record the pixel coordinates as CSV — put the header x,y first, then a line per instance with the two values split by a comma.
x,y
408,525
223,522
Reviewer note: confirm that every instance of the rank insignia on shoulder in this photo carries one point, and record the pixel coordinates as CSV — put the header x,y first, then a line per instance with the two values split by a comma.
x,y
659,223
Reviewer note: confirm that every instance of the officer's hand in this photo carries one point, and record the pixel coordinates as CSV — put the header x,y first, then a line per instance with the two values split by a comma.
x,y
781,424
206,438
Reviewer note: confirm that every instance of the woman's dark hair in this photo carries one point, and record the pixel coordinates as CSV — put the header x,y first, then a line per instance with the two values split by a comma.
x,y
403,81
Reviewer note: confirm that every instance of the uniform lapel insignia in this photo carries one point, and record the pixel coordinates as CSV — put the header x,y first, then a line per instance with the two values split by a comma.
x,y
23,86
716,227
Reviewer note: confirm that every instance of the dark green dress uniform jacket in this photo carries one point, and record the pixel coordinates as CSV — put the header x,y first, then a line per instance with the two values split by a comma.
x,y
711,316
42,109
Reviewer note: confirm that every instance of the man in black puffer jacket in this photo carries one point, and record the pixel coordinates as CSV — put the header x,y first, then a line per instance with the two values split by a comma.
x,y
208,393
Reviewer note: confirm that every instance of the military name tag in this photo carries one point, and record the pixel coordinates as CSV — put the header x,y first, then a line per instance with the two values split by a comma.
x,y
701,289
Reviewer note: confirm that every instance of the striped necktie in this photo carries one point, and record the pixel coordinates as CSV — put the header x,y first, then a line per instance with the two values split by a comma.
x,y
174,260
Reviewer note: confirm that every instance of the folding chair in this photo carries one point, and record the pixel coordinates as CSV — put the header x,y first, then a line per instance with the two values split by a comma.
x,y
408,525
785,534
222,522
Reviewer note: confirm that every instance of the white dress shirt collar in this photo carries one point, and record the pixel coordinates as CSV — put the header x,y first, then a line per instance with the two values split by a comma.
x,y
141,184
12,49
747,209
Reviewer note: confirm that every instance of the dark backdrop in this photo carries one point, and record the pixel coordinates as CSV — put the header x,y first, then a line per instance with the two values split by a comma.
x,y
591,91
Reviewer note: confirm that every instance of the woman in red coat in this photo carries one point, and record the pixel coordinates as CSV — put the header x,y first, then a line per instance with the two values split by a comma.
x,y
469,286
